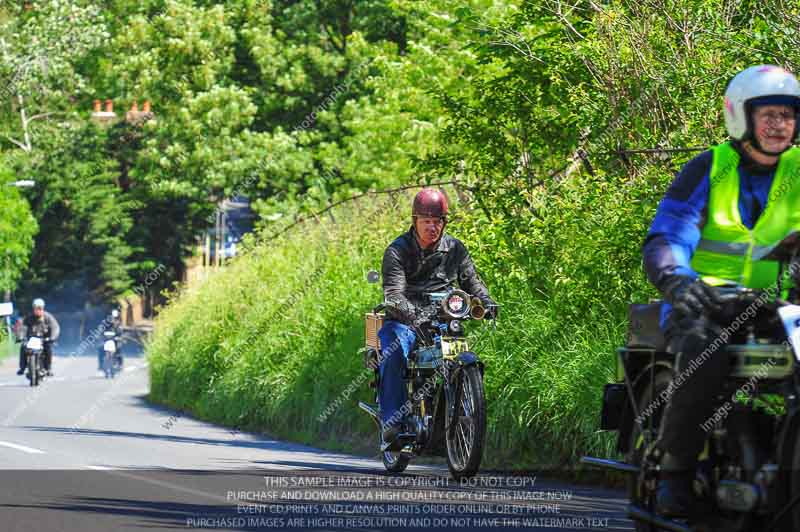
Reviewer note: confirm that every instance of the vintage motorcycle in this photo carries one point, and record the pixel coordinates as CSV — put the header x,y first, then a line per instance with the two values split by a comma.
x,y
112,356
34,349
748,475
447,414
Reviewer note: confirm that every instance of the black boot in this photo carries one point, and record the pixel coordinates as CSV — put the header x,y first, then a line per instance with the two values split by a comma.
x,y
675,491
390,433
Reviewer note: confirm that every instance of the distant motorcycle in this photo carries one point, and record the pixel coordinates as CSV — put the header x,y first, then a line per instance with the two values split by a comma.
x,y
112,356
445,388
34,348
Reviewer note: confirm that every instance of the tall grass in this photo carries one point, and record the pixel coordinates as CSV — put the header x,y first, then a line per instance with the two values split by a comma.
x,y
270,341
7,346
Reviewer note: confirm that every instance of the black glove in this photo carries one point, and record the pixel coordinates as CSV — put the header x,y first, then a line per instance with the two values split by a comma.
x,y
691,296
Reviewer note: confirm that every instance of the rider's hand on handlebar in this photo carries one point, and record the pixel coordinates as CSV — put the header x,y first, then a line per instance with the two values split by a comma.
x,y
691,296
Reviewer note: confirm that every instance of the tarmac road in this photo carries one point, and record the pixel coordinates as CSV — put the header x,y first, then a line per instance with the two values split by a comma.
x,y
83,453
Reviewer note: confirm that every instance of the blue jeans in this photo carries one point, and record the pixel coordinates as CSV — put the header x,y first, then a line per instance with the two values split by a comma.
x,y
397,341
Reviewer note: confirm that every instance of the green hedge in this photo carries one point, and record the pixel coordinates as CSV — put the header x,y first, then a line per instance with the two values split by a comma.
x,y
272,340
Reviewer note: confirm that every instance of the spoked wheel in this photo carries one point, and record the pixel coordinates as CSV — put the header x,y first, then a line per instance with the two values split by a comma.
x,y
641,436
466,431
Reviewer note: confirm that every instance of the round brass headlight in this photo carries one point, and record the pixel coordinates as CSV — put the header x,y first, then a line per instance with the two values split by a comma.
x,y
456,304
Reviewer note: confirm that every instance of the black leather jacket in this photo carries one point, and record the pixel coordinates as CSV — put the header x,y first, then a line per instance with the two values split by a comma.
x,y
409,271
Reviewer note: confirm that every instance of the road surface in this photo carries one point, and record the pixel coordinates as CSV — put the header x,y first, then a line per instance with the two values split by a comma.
x,y
83,453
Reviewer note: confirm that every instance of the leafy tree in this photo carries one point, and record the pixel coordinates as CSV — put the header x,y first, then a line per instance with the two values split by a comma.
x,y
17,229
41,45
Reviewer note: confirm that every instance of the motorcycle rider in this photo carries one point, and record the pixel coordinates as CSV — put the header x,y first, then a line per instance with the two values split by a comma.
x,y
423,259
40,323
111,323
723,210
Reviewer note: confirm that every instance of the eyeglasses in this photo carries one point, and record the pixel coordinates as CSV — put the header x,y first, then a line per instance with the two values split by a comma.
x,y
770,116
432,221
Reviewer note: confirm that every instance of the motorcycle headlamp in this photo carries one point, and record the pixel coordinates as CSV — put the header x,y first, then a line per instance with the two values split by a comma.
x,y
456,305
455,327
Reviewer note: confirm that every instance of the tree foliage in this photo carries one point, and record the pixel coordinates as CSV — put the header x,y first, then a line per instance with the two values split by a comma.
x,y
298,103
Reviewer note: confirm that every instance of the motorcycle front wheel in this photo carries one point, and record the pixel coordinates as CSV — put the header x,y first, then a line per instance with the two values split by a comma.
x,y
33,370
108,365
465,432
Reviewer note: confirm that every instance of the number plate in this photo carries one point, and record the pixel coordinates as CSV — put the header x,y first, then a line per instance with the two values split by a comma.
x,y
34,343
453,346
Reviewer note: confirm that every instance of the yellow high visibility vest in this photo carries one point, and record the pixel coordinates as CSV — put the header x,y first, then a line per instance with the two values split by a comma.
x,y
730,252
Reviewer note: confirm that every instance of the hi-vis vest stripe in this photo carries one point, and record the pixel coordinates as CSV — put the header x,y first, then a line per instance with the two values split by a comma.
x,y
728,251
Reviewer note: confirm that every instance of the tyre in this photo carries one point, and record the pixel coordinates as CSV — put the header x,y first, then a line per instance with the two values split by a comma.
x,y
33,369
641,436
108,366
466,440
794,486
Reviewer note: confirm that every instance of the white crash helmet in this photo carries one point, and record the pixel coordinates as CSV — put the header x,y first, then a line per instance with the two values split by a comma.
x,y
38,303
758,85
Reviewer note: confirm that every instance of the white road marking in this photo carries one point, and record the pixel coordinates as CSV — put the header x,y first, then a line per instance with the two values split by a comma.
x,y
99,468
21,447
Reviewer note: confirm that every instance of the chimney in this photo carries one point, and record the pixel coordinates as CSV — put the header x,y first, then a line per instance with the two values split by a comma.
x,y
131,115
103,117
146,106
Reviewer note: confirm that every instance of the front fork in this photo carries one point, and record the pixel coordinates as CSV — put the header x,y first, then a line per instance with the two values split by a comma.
x,y
452,393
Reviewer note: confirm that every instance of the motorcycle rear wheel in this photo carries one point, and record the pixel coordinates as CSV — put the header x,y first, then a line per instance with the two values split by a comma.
x,y
465,445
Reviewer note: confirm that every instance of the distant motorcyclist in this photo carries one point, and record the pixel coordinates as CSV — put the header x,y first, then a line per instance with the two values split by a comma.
x,y
112,323
423,259
42,324
727,207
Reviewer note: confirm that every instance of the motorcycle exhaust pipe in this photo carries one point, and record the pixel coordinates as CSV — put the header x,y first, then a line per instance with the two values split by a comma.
x,y
609,464
478,311
640,514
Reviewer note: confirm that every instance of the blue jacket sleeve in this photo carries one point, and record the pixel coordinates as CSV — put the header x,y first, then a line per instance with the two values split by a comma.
x,y
675,231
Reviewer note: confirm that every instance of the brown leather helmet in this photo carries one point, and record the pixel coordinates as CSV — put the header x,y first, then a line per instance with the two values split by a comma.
x,y
430,202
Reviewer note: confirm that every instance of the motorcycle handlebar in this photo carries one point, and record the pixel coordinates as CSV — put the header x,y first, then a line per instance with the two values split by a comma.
x,y
738,294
